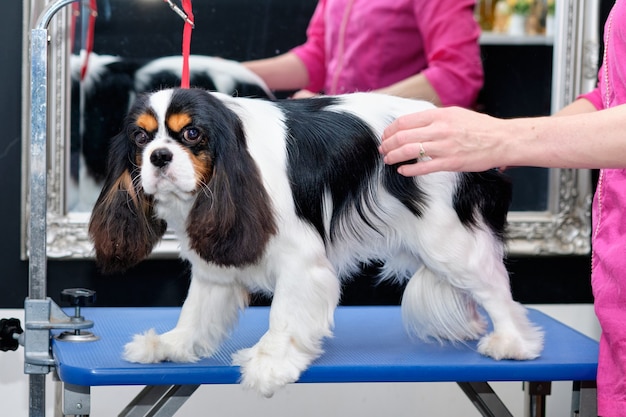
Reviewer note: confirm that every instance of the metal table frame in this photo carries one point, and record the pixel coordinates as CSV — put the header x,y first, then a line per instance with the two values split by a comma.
x,y
166,400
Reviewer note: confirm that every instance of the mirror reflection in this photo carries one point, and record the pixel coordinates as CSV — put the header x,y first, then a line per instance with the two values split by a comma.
x,y
124,48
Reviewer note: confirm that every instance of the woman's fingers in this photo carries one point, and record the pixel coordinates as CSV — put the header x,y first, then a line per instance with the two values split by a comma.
x,y
443,139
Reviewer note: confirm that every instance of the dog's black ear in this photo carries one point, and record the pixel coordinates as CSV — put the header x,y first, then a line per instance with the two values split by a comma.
x,y
232,219
122,226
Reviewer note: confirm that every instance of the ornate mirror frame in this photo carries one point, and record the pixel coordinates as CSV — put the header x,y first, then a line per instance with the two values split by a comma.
x,y
564,228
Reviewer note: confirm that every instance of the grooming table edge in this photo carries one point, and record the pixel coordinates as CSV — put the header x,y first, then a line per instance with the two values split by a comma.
x,y
369,345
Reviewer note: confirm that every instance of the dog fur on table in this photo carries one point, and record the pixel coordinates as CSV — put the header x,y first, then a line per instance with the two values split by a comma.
x,y
286,198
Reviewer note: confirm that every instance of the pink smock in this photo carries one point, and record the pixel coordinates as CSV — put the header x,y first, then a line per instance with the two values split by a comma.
x,y
608,270
363,45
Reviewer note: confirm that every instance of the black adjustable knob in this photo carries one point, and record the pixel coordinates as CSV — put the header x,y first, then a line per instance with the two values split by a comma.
x,y
77,298
9,329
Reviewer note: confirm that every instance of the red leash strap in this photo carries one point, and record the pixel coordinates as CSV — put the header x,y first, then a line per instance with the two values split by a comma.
x,y
184,82
88,47
187,15
93,13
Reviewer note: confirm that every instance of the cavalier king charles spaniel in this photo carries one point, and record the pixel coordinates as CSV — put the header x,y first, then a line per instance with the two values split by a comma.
x,y
286,198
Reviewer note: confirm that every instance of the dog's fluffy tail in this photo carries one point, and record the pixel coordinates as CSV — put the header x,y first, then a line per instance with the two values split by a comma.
x,y
434,309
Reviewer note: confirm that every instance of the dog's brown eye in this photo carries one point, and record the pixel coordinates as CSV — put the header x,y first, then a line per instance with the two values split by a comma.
x,y
141,138
192,135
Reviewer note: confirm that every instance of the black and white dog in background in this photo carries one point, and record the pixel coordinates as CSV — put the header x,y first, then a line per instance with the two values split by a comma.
x,y
102,98
286,198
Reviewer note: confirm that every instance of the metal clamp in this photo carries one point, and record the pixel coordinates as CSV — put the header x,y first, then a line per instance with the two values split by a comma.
x,y
41,317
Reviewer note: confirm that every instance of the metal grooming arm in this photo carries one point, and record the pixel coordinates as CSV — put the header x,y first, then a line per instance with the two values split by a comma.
x,y
41,313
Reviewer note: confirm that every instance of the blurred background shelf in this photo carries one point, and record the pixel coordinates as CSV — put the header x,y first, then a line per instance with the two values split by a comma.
x,y
496,38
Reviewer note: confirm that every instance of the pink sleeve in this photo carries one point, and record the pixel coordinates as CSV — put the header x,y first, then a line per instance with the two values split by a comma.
x,y
451,35
594,97
312,52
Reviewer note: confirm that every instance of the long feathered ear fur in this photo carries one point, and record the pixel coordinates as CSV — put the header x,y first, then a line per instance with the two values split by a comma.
x,y
122,226
232,221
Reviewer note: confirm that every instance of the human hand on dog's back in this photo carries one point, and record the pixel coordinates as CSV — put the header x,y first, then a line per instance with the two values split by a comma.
x,y
455,139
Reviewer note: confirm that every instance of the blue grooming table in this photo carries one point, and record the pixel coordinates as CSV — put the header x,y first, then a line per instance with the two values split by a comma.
x,y
370,345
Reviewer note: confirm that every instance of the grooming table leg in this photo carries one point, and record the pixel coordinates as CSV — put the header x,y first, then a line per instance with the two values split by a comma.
x,y
76,400
484,399
584,399
159,400
535,398
37,395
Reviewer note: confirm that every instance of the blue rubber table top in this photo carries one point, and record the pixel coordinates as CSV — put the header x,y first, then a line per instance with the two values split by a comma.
x,y
370,345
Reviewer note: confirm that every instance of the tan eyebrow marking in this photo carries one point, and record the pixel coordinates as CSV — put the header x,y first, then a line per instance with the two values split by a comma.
x,y
147,122
178,121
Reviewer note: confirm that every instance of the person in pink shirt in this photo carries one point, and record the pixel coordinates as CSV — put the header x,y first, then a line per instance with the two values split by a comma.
x,y
589,133
412,48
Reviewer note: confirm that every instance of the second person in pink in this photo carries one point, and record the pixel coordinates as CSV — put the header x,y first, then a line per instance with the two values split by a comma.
x,y
412,48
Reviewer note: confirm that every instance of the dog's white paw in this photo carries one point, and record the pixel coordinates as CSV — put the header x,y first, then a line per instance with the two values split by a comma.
x,y
150,347
266,370
511,345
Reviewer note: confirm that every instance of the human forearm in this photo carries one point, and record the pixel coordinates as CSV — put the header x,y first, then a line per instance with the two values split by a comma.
x,y
455,139
282,72
416,87
542,130
579,140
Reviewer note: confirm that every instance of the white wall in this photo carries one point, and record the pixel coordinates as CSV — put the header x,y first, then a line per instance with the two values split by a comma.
x,y
304,400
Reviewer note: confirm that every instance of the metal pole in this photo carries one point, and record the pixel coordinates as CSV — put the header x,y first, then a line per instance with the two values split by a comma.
x,y
38,203
38,181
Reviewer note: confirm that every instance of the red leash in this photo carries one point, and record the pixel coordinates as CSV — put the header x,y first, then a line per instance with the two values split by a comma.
x,y
89,34
184,82
187,15
93,13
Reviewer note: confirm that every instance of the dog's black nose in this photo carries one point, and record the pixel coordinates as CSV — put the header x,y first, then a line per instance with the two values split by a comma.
x,y
161,157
